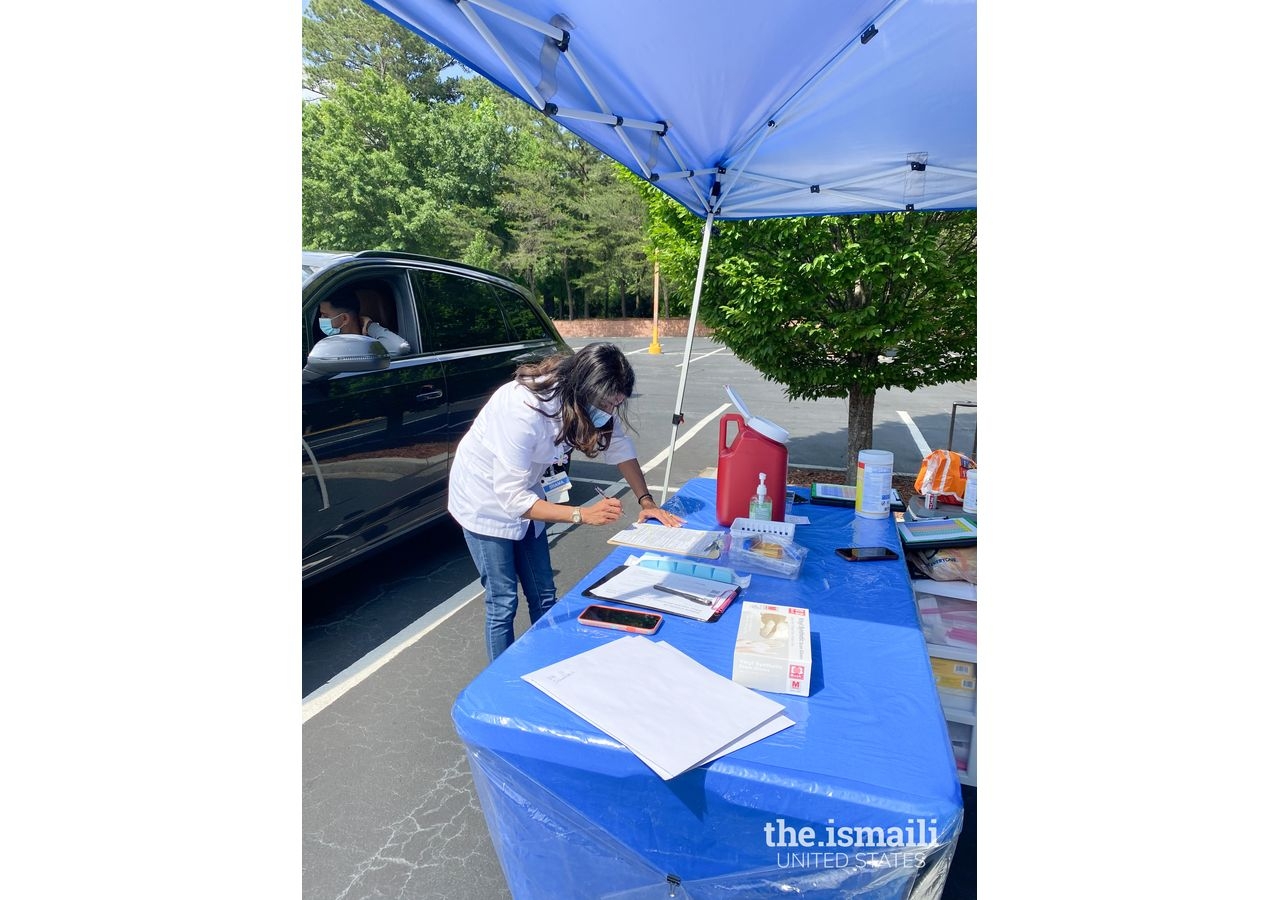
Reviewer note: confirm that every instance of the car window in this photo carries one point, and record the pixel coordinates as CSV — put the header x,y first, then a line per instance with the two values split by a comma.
x,y
524,322
379,296
458,312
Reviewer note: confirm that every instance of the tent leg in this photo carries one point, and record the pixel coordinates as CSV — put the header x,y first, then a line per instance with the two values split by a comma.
x,y
688,351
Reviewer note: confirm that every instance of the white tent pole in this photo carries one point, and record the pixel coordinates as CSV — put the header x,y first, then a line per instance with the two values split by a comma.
x,y
688,351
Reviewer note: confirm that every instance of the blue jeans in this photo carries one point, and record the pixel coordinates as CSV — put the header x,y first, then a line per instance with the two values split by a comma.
x,y
502,563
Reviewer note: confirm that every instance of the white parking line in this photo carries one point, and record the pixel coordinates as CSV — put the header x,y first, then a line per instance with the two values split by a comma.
x,y
714,416
379,656
916,436
704,356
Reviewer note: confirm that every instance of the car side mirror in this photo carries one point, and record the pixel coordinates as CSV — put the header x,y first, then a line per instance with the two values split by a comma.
x,y
341,353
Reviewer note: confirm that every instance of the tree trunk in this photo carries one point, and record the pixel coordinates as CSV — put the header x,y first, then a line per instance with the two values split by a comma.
x,y
861,407
568,285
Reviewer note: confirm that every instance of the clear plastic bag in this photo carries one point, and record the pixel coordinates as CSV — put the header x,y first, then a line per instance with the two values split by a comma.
x,y
765,548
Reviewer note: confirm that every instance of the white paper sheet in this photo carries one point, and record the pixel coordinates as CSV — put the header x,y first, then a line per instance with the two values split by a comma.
x,y
685,541
639,586
668,709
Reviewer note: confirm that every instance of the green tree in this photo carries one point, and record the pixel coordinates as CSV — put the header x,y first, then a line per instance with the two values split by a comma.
x,y
395,158
382,170
366,153
577,223
342,38
815,303
614,217
546,178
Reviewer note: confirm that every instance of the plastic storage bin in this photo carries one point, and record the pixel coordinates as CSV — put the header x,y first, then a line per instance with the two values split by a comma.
x,y
765,548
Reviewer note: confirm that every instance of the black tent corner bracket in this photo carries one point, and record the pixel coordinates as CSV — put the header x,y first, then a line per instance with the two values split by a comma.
x,y
677,419
871,32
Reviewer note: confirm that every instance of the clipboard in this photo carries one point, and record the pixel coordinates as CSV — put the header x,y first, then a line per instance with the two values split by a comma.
x,y
846,495
658,538
927,534
675,606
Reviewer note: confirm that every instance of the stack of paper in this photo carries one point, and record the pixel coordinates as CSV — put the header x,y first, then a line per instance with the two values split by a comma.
x,y
685,541
671,711
681,595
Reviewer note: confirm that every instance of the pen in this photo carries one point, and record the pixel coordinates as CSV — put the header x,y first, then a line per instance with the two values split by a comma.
x,y
694,597
600,492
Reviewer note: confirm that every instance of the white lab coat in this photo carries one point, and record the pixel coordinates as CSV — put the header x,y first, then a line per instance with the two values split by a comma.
x,y
497,474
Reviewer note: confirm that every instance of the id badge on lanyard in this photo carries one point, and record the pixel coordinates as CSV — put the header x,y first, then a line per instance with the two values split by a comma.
x,y
555,480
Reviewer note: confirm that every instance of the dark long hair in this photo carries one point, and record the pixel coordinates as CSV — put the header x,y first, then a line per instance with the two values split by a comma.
x,y
590,377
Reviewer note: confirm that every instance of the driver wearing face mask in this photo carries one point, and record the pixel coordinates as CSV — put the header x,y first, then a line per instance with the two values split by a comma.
x,y
340,314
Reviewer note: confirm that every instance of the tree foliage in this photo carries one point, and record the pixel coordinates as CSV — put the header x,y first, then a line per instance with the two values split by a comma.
x,y
394,156
368,179
836,306
343,38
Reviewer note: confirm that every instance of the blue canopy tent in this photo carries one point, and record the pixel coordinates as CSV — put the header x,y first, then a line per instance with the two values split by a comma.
x,y
742,109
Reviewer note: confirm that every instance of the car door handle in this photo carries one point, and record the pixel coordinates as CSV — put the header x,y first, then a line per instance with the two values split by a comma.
x,y
429,395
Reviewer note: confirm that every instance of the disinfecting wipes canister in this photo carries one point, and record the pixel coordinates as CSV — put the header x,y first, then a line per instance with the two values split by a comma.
x,y
874,491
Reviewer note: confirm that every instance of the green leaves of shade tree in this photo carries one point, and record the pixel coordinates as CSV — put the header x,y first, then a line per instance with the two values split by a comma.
x,y
816,304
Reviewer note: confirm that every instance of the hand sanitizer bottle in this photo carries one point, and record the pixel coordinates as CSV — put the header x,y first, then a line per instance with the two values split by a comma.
x,y
761,507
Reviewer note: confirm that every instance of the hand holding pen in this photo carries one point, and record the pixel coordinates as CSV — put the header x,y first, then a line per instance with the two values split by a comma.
x,y
606,512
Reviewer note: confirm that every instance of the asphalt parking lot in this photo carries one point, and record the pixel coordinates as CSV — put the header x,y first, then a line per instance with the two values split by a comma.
x,y
388,803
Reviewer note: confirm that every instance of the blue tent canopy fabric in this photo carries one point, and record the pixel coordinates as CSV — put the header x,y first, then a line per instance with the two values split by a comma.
x,y
742,109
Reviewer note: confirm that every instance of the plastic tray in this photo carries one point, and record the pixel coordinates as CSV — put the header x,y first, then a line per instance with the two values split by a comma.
x,y
743,527
745,532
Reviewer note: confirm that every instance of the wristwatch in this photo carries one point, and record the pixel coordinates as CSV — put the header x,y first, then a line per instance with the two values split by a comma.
x,y
577,515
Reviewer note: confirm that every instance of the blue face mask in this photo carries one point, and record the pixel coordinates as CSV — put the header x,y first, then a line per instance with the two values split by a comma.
x,y
598,416
327,326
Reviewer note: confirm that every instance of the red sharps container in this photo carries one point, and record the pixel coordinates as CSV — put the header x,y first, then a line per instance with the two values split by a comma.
x,y
758,446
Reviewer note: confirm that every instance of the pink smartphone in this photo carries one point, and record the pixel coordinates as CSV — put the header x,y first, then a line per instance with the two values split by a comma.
x,y
620,619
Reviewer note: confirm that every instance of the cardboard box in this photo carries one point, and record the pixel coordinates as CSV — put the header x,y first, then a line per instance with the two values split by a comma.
x,y
961,743
773,652
954,674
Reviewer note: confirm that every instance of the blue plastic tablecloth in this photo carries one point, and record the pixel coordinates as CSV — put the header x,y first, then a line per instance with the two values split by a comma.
x,y
573,813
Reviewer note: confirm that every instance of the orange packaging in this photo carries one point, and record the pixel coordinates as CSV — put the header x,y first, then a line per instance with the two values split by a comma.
x,y
944,472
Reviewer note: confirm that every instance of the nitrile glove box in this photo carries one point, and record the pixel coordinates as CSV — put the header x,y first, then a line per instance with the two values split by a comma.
x,y
773,652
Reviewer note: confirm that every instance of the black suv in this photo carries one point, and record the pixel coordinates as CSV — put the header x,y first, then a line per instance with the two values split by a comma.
x,y
379,432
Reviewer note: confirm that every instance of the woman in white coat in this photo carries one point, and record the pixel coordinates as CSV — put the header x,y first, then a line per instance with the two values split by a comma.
x,y
562,404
